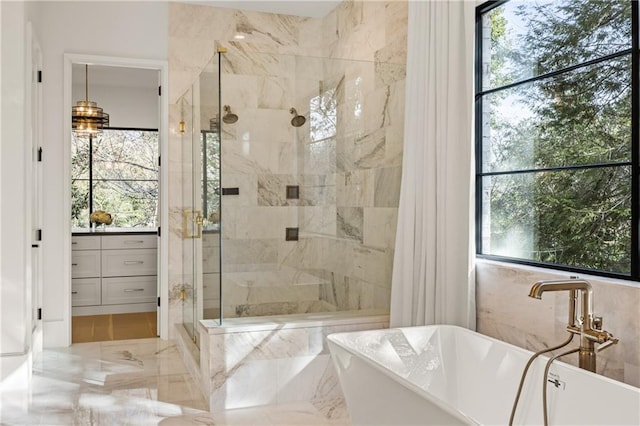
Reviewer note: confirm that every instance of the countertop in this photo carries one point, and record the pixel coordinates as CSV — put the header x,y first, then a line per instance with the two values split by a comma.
x,y
113,231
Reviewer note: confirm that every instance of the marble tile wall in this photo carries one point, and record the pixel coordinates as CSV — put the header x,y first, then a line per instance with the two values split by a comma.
x,y
348,173
275,365
356,159
505,311
194,33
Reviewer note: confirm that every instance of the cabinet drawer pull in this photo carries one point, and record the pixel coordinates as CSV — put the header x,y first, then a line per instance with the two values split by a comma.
x,y
129,290
133,242
74,242
133,262
74,292
74,264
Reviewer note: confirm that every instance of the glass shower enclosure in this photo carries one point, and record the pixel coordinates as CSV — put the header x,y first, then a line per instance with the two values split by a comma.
x,y
200,128
295,166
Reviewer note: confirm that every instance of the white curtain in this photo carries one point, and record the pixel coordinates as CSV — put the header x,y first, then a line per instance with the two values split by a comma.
x,y
433,272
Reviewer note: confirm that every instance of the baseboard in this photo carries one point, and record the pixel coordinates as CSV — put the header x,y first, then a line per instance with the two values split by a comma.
x,y
56,333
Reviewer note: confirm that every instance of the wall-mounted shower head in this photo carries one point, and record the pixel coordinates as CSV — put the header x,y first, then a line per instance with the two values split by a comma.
x,y
228,116
297,120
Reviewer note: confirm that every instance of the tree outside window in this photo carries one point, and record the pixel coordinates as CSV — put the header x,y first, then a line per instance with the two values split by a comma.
x,y
554,129
125,177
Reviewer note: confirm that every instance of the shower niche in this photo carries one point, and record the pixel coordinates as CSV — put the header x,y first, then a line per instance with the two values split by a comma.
x,y
276,145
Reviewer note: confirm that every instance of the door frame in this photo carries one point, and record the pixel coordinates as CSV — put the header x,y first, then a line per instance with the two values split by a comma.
x,y
163,135
34,183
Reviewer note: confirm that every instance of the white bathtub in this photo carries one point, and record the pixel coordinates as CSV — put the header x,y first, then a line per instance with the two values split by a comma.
x,y
450,375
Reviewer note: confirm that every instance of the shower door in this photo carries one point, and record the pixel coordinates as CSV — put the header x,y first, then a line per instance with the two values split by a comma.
x,y
208,182
188,128
201,200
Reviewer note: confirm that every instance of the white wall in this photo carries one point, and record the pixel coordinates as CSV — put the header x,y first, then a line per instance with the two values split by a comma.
x,y
15,208
12,166
119,29
126,106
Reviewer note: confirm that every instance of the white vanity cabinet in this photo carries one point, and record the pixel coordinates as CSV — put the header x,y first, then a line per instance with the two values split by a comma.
x,y
114,273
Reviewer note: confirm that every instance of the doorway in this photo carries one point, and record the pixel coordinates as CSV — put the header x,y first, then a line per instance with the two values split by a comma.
x,y
118,274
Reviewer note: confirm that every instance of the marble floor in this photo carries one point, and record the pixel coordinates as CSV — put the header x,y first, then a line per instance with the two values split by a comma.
x,y
133,382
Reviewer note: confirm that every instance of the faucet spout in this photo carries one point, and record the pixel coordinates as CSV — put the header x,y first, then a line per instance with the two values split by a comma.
x,y
573,286
559,285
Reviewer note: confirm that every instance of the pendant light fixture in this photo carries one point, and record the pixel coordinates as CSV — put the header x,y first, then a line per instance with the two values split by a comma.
x,y
87,119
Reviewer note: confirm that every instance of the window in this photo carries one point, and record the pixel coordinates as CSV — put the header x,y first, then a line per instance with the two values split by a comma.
x,y
557,134
122,173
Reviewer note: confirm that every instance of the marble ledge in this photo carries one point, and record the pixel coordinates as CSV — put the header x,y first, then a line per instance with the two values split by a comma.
x,y
293,321
512,269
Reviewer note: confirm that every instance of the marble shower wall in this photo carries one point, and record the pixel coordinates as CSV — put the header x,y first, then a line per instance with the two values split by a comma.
x,y
348,175
351,169
194,33
505,311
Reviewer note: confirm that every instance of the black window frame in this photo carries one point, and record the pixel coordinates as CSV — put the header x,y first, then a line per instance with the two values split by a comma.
x,y
92,179
634,52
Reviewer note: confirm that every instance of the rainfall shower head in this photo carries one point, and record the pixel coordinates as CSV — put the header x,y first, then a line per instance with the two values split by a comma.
x,y
228,116
297,120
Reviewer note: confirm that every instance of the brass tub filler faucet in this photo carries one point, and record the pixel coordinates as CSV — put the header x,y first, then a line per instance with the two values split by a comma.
x,y
584,324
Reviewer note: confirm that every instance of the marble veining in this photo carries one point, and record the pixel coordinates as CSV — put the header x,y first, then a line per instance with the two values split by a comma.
x,y
276,365
123,382
387,186
507,313
97,384
266,28
343,157
350,222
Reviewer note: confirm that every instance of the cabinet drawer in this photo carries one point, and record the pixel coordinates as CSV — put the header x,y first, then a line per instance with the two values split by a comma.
x,y
85,264
116,242
85,292
128,290
89,242
127,263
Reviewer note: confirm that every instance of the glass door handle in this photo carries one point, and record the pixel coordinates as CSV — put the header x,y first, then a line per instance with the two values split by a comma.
x,y
192,221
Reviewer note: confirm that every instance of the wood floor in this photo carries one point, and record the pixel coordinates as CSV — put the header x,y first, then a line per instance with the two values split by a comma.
x,y
100,328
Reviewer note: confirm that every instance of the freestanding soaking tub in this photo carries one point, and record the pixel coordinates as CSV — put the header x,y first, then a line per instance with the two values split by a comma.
x,y
449,375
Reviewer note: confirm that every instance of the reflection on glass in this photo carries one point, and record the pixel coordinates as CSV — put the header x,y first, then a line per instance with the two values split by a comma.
x,y
210,149
572,217
523,39
323,115
580,117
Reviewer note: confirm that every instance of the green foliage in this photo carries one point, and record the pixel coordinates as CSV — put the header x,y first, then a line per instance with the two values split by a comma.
x,y
576,217
210,155
125,176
